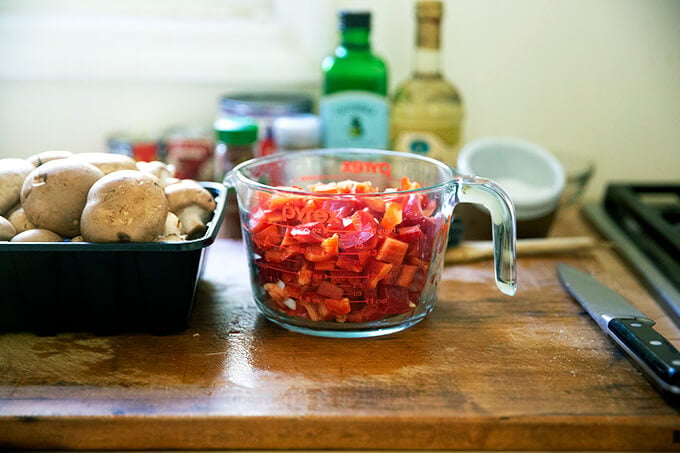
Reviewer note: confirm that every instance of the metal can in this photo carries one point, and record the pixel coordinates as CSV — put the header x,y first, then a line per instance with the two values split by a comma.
x,y
190,151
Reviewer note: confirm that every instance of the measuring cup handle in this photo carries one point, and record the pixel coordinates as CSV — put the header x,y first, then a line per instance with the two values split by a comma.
x,y
230,180
490,195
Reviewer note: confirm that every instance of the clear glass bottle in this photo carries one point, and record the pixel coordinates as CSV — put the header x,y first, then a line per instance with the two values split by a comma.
x,y
354,106
427,110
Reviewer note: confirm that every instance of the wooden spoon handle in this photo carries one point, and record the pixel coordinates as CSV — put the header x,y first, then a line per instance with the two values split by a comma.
x,y
478,250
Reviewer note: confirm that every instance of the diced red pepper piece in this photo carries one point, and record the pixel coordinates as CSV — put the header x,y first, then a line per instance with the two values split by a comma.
x,y
392,251
350,262
277,293
413,211
429,207
418,282
420,264
311,310
330,290
268,237
376,271
308,232
331,187
324,266
323,252
409,234
407,184
406,274
392,217
288,239
362,228
375,204
274,254
281,200
339,306
396,299
305,275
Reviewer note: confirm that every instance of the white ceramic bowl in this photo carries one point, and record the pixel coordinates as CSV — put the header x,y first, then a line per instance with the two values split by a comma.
x,y
532,176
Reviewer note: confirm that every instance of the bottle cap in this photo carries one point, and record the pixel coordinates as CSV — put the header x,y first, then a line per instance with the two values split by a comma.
x,y
429,9
354,19
297,132
235,132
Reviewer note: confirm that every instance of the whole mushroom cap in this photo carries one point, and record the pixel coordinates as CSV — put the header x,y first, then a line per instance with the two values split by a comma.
x,y
53,195
192,204
41,158
124,206
107,162
12,175
7,230
19,221
37,235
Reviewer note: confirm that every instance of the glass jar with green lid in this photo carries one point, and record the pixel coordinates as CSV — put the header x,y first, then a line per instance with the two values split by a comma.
x,y
235,142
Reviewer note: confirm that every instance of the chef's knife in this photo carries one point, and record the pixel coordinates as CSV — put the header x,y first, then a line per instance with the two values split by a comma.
x,y
632,331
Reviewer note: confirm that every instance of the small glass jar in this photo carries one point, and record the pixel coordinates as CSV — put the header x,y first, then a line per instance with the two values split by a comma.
x,y
235,142
264,108
298,132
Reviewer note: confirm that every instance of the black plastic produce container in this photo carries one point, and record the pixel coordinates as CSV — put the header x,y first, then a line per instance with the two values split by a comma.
x,y
103,288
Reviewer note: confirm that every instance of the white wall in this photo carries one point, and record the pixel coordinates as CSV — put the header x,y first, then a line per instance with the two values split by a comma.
x,y
600,77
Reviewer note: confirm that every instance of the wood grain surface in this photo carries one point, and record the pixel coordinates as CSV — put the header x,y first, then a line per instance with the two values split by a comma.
x,y
483,372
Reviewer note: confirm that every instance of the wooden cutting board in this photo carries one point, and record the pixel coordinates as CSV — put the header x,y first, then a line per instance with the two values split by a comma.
x,y
482,372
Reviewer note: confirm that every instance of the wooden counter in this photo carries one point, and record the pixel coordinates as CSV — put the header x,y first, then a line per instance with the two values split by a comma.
x,y
482,372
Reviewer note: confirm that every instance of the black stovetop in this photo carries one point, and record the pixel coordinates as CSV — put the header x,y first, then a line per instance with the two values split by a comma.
x,y
643,222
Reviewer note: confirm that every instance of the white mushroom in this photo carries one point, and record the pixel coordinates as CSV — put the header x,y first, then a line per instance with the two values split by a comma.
x,y
165,173
37,235
53,195
7,230
18,219
173,230
107,162
12,175
192,203
124,206
38,159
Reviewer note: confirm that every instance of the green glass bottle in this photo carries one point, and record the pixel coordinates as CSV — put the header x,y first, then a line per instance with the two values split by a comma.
x,y
354,105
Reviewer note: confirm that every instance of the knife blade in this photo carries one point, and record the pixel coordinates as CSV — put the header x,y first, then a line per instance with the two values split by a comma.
x,y
630,329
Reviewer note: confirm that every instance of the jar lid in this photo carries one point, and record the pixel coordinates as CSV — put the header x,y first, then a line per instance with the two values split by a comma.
x,y
265,104
299,131
233,132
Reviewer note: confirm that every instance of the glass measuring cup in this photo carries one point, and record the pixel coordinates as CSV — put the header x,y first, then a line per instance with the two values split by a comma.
x,y
351,242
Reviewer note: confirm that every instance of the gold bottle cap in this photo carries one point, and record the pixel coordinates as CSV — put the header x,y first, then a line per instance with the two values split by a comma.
x,y
428,9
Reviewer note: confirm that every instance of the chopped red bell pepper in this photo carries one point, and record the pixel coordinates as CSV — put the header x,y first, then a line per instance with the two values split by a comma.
x,y
392,251
337,255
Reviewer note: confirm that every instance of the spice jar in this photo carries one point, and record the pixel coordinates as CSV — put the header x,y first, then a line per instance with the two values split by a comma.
x,y
235,142
292,133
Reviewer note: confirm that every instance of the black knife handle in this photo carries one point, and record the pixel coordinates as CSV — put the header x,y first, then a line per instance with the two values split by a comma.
x,y
652,353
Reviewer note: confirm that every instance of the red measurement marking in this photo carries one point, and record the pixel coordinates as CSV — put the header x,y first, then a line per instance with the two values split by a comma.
x,y
346,276
274,268
282,225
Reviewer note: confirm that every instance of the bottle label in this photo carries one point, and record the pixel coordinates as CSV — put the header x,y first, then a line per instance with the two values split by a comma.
x,y
426,144
354,119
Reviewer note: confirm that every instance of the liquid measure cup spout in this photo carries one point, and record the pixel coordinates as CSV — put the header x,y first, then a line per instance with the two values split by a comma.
x,y
490,195
351,243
